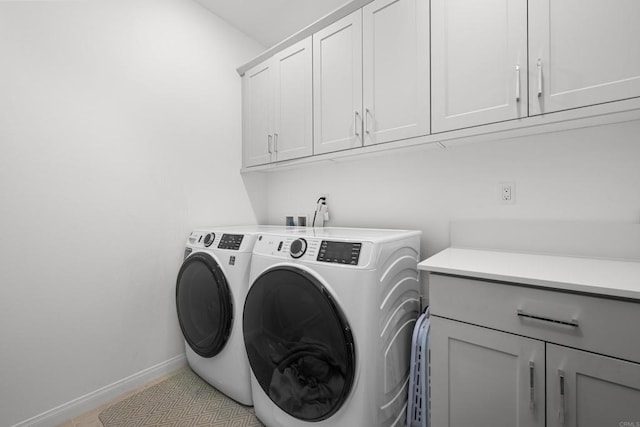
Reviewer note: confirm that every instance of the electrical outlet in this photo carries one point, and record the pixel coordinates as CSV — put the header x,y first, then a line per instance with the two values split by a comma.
x,y
321,212
507,193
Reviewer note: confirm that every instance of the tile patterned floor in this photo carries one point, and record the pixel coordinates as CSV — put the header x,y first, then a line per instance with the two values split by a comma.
x,y
182,400
90,418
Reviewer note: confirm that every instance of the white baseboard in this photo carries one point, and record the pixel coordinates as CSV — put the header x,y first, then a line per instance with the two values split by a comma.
x,y
89,401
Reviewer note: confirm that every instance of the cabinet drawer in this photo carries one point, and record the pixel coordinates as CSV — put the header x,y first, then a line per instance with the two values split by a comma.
x,y
591,323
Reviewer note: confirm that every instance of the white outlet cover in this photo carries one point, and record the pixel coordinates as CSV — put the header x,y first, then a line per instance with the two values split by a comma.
x,y
507,188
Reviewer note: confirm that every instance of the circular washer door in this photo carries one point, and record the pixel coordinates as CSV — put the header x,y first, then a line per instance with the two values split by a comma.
x,y
203,300
299,344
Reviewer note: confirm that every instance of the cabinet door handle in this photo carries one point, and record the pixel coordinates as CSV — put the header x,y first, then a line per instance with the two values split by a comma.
x,y
517,83
269,138
355,124
539,77
532,389
367,112
275,142
561,412
573,322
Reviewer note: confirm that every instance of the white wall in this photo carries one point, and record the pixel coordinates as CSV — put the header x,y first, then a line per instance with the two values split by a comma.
x,y
589,174
120,128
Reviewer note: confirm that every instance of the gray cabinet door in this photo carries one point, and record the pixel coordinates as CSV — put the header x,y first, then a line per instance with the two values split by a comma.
x,y
590,390
395,51
478,63
337,85
293,117
257,104
582,52
482,377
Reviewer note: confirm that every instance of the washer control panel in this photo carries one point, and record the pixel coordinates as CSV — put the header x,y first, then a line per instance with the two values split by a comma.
x,y
339,252
310,249
298,248
302,248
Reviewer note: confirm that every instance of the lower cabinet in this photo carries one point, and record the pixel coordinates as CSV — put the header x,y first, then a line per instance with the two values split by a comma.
x,y
591,390
484,377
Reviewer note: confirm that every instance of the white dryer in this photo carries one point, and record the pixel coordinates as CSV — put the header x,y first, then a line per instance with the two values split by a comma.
x,y
210,291
328,322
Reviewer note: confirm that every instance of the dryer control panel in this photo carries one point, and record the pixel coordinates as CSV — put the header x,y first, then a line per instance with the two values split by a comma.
x,y
209,239
230,241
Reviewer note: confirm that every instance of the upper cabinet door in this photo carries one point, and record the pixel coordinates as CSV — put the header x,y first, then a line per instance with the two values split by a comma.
x,y
337,85
293,113
582,52
478,63
395,37
258,114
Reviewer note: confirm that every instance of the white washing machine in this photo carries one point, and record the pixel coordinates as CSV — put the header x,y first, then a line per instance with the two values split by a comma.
x,y
327,325
210,291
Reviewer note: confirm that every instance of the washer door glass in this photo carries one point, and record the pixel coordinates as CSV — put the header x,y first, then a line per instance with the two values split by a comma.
x,y
204,304
299,344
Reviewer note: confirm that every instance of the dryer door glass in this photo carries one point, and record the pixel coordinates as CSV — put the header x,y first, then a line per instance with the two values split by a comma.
x,y
299,344
204,304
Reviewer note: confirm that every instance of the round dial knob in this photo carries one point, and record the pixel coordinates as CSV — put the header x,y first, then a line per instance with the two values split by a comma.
x,y
298,248
208,239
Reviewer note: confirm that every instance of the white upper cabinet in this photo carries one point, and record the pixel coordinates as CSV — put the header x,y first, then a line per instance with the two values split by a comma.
x,y
479,62
278,107
395,70
582,52
337,85
293,112
257,90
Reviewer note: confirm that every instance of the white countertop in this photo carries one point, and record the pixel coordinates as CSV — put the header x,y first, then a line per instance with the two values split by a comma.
x,y
588,275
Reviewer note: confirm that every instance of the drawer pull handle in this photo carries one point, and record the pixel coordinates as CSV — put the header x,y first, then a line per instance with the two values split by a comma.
x,y
561,412
532,401
573,322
